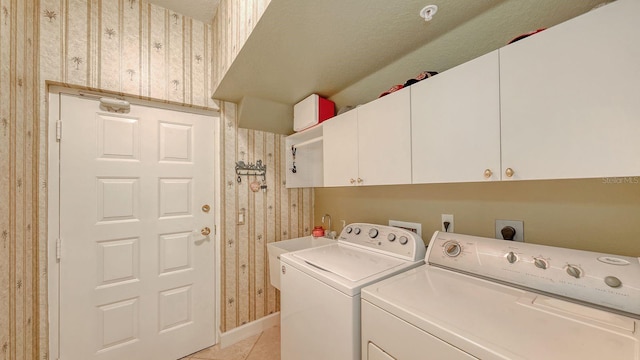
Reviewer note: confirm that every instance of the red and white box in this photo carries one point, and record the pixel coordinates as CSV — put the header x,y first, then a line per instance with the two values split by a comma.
x,y
312,111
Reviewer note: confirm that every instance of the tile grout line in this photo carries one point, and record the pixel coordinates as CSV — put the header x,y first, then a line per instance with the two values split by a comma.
x,y
254,345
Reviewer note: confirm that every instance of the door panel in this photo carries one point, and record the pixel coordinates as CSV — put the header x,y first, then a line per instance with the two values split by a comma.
x,y
136,275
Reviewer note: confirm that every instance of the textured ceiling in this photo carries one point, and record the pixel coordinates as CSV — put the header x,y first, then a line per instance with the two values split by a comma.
x,y
351,51
202,10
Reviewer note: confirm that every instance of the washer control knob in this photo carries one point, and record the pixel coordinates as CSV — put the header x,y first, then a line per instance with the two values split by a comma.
x,y
357,231
348,229
391,237
373,233
404,240
574,271
452,249
541,263
613,281
512,257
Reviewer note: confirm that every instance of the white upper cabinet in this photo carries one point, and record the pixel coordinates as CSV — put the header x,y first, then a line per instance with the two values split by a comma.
x,y
340,149
384,140
570,98
370,145
455,124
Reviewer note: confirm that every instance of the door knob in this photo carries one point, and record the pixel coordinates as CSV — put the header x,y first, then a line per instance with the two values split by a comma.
x,y
205,231
206,208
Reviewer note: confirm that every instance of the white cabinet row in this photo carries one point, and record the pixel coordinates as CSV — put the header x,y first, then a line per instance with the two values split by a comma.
x,y
369,145
562,104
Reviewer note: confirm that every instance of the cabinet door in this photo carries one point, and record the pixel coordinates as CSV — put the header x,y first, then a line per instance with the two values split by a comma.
x,y
340,149
384,140
455,124
570,98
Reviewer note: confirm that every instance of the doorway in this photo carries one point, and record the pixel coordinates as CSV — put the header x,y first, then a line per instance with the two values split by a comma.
x,y
135,251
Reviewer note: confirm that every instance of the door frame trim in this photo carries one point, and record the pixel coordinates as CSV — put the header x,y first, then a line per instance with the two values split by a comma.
x,y
53,94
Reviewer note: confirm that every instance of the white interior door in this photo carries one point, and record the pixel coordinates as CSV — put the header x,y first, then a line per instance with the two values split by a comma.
x,y
136,275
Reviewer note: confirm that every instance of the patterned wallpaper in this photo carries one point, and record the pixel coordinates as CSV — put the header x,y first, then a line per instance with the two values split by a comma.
x,y
232,25
274,215
127,46
19,185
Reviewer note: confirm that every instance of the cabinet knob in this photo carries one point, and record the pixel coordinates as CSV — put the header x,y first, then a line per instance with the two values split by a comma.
x,y
359,181
352,181
488,173
509,172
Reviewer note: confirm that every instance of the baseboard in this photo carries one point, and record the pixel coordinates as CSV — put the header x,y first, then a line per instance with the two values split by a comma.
x,y
247,330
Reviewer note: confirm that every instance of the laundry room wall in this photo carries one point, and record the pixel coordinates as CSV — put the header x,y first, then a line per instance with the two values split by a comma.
x,y
19,184
600,215
232,25
274,215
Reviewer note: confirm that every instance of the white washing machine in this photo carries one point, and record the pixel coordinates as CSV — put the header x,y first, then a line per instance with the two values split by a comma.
x,y
320,288
479,298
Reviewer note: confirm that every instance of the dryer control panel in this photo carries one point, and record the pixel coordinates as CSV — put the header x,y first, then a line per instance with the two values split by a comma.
x,y
611,281
389,240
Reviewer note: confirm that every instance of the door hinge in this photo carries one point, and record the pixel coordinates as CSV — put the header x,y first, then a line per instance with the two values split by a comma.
x,y
59,130
58,248
215,229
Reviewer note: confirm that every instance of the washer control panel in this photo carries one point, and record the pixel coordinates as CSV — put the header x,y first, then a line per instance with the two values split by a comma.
x,y
387,239
606,280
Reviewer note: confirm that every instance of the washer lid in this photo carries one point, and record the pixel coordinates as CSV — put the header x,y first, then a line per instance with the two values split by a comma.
x,y
347,261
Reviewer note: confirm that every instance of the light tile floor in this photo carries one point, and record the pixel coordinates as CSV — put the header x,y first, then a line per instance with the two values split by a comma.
x,y
264,346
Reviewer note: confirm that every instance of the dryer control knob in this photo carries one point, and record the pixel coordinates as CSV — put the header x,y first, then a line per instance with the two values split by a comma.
x,y
404,240
391,237
540,263
452,249
373,233
613,281
357,231
574,271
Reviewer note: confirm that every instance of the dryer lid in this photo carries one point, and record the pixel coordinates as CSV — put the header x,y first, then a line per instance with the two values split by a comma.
x,y
347,261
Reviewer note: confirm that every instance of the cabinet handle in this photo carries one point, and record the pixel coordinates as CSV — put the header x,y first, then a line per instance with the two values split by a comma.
x,y
488,173
352,181
509,172
359,181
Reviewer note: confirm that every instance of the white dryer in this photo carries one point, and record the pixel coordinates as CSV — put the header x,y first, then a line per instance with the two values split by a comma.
x,y
479,298
320,288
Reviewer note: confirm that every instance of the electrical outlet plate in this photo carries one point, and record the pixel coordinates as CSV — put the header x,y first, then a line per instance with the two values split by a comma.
x,y
415,227
449,218
516,224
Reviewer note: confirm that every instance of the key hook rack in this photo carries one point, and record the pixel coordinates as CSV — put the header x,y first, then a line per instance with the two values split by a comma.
x,y
257,169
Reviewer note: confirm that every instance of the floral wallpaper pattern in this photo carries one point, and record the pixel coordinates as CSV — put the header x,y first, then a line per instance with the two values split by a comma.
x,y
274,215
19,190
131,47
232,25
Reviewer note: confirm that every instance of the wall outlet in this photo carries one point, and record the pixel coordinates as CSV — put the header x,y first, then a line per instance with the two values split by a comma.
x,y
518,225
415,227
447,218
